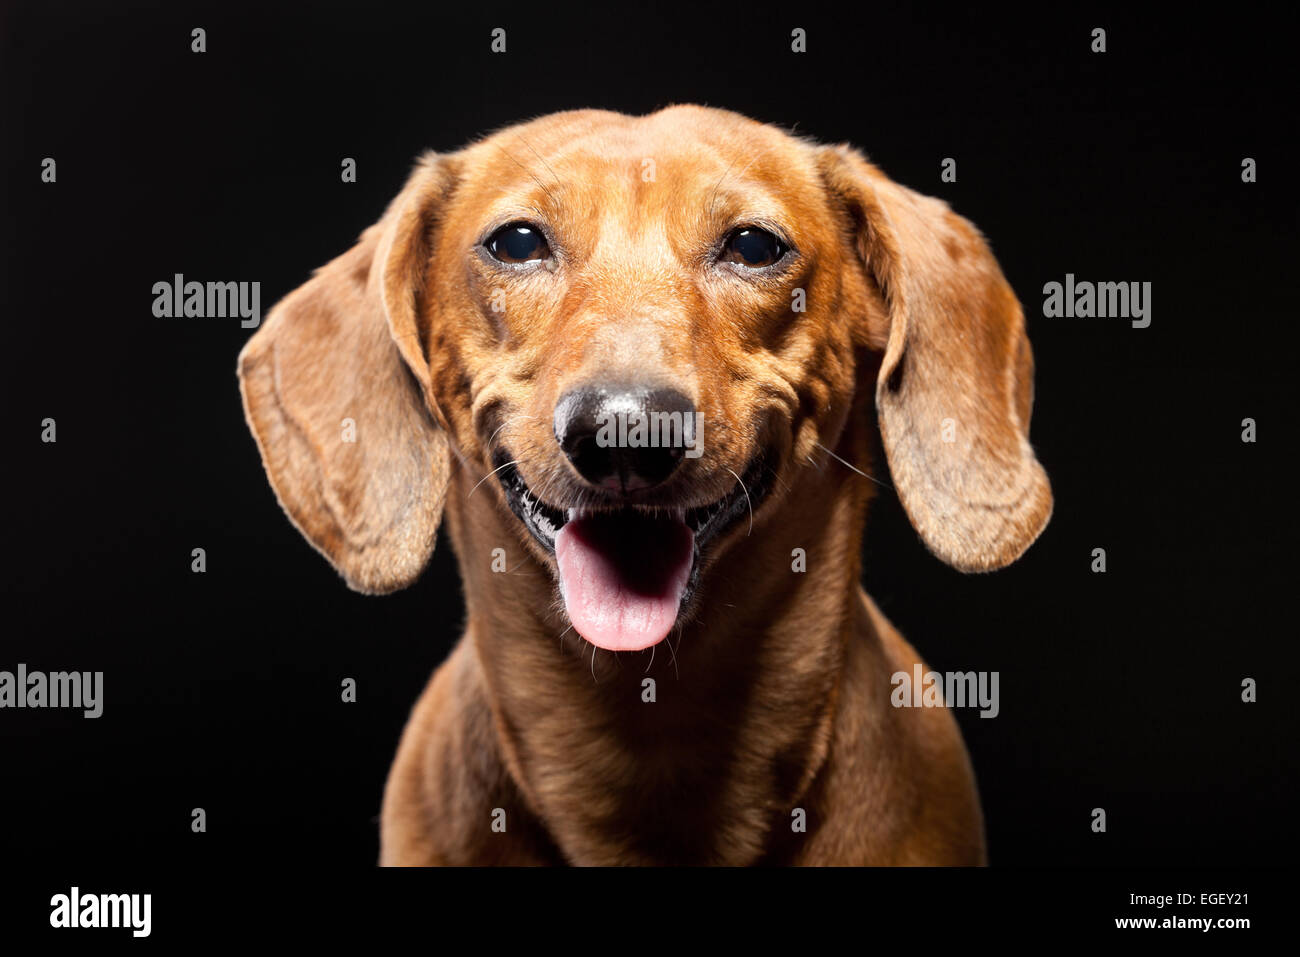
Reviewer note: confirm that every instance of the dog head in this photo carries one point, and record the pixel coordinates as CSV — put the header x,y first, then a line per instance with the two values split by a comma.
x,y
635,330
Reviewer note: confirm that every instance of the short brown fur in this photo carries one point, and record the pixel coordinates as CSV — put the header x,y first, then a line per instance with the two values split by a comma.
x,y
773,691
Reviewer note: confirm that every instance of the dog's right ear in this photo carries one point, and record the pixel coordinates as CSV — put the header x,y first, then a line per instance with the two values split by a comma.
x,y
336,391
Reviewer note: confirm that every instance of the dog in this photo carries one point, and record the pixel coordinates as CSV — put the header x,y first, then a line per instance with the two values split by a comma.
x,y
668,657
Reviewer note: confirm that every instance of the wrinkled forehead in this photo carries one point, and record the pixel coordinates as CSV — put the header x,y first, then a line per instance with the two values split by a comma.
x,y
594,164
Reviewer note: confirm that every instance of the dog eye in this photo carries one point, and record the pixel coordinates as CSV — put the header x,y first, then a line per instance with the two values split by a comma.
x,y
752,247
518,243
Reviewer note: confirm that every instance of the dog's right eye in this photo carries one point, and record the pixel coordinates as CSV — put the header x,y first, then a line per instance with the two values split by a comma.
x,y
518,243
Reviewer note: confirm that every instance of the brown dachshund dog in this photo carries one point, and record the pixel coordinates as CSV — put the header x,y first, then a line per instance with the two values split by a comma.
x,y
668,657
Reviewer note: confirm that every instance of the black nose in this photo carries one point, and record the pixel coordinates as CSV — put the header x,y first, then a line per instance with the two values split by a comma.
x,y
625,438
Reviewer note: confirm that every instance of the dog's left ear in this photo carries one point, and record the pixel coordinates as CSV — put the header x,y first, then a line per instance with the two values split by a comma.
x,y
335,389
955,386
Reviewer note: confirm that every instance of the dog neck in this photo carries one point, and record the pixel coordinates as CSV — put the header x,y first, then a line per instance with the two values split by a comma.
x,y
679,753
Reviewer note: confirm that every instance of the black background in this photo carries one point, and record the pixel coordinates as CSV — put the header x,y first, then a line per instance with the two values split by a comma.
x,y
222,690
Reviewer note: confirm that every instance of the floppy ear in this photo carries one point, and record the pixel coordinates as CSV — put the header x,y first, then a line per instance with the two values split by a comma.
x,y
955,386
334,387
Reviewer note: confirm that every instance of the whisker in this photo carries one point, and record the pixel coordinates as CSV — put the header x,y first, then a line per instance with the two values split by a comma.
x,y
508,420
714,194
748,502
543,161
853,467
713,198
543,493
530,174
460,456
490,474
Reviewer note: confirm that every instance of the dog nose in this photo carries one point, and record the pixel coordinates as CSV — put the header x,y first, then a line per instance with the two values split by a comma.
x,y
625,438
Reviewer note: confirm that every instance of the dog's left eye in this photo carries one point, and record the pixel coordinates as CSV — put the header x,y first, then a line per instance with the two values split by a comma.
x,y
518,243
752,247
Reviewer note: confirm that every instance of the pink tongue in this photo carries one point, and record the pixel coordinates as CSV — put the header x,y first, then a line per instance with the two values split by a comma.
x,y
622,577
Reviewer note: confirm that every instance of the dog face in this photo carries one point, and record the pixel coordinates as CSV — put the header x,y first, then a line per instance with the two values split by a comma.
x,y
637,330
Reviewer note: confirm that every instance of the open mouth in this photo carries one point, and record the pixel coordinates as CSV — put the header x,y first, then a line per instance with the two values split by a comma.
x,y
626,572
